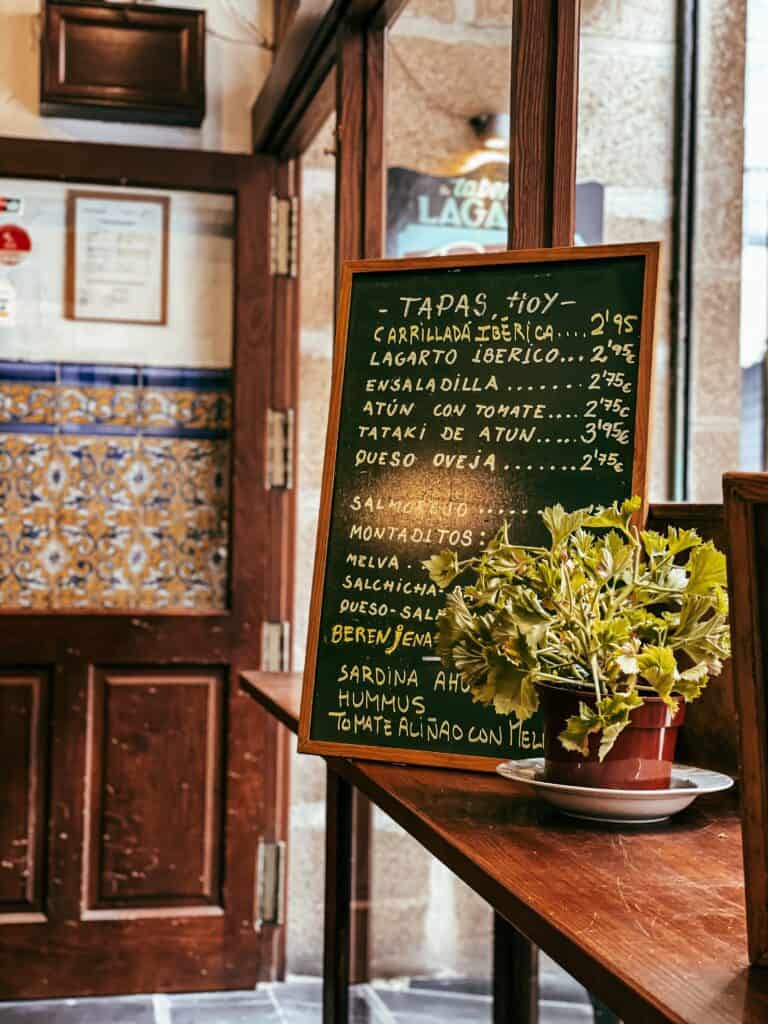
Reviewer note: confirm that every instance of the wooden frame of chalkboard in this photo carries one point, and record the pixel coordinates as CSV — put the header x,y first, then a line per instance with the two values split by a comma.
x,y
746,518
536,263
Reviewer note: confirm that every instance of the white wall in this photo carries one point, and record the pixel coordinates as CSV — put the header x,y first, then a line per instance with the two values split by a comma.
x,y
200,287
199,330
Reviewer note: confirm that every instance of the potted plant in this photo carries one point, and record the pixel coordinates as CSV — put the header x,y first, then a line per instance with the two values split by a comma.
x,y
612,629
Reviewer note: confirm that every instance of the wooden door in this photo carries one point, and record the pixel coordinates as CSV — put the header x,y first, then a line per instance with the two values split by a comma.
x,y
137,782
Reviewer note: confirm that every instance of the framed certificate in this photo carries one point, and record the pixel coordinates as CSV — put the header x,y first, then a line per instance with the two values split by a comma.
x,y
117,257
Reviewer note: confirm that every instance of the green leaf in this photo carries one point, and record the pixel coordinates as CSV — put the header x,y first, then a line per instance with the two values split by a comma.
x,y
615,556
706,569
514,690
693,609
615,515
443,568
525,609
610,717
584,543
658,667
653,543
471,661
453,622
692,681
615,712
483,692
722,602
561,524
611,632
682,540
578,729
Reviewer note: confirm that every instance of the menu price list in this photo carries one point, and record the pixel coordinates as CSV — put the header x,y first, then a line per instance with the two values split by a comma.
x,y
462,408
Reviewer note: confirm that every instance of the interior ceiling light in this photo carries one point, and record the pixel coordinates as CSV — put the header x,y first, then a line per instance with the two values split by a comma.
x,y
492,130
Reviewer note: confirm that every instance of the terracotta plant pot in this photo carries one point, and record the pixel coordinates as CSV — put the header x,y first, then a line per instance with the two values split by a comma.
x,y
641,758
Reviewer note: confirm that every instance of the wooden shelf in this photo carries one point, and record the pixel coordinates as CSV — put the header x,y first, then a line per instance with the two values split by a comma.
x,y
652,920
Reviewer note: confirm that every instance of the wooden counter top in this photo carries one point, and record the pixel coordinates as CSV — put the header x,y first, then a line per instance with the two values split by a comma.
x,y
651,920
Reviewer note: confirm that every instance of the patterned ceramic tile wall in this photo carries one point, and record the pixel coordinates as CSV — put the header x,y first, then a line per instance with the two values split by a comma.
x,y
114,486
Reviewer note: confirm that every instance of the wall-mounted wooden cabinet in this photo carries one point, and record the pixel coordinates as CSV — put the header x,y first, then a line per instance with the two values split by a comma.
x,y
123,63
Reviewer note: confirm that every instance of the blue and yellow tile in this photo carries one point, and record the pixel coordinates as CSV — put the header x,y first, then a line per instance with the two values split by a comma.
x,y
186,402
27,522
114,486
98,399
27,397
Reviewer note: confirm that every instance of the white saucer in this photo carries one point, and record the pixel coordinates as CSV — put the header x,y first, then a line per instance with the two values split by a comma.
x,y
621,806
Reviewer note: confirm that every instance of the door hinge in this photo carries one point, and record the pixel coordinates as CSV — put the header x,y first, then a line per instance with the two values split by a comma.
x,y
270,867
275,646
284,235
280,448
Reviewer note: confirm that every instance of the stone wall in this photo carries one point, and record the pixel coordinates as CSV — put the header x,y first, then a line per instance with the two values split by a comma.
x,y
625,141
715,364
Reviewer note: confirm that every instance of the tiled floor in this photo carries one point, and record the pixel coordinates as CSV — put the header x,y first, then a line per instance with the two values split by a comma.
x,y
298,1002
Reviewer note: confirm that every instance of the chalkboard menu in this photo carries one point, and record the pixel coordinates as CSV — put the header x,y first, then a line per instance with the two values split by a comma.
x,y
467,391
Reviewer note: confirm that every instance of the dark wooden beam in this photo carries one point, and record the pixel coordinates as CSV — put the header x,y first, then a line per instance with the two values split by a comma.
x,y
375,179
515,975
543,116
150,167
304,60
350,146
283,13
303,131
338,877
682,249
542,212
360,198
360,915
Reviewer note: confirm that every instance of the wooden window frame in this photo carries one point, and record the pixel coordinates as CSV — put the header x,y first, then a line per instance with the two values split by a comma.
x,y
334,55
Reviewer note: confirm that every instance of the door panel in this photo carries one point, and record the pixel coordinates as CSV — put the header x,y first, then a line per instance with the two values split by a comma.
x,y
153,798
23,720
141,779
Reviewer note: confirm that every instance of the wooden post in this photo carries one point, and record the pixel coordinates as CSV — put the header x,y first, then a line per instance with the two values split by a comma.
x,y
544,94
338,887
515,975
360,196
542,212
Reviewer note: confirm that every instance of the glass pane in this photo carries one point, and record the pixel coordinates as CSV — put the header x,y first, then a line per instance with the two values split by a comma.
x,y
716,378
307,834
114,434
447,132
754,257
624,166
447,141
447,138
